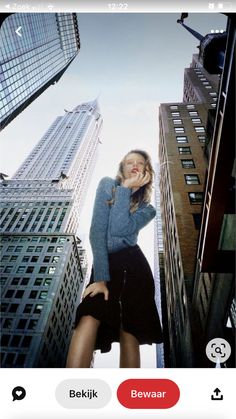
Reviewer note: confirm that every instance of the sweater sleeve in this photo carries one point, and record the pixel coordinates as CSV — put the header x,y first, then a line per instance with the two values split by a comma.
x,y
98,230
122,221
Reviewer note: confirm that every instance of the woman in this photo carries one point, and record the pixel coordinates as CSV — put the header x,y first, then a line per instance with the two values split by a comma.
x,y
118,304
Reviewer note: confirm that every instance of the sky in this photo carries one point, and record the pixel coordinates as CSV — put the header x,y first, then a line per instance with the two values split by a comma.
x,y
132,63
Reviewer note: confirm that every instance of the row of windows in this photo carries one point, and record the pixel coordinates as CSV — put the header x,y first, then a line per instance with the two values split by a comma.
x,y
181,139
181,130
30,269
180,121
16,341
28,324
41,295
37,249
46,282
176,107
33,239
34,259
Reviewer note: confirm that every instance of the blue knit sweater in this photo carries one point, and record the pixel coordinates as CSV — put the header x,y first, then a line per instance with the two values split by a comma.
x,y
113,227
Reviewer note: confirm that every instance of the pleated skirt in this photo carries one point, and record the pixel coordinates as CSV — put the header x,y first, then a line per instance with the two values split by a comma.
x,y
130,306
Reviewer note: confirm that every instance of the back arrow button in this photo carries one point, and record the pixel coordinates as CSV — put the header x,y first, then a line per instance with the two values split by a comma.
x,y
18,31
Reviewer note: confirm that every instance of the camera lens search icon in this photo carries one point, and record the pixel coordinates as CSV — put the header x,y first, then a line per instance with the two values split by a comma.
x,y
218,350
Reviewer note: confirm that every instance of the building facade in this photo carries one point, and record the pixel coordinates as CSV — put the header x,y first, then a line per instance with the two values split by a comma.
x,y
182,173
35,59
214,303
197,185
199,85
162,351
43,264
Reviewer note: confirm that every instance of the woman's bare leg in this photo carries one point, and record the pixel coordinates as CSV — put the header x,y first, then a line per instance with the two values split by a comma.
x,y
82,343
129,351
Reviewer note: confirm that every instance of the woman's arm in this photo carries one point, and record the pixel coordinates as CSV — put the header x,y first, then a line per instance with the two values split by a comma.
x,y
98,230
122,221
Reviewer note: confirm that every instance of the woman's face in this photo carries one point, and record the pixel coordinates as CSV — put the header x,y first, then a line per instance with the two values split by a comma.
x,y
134,163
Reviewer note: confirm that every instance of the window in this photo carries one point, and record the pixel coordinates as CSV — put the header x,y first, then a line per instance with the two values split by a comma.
x,y
33,294
28,308
50,249
4,307
177,121
43,295
51,270
38,281
174,107
20,360
8,323
47,282
25,259
38,308
15,281
174,114
10,248
190,106
184,150
30,249
13,308
34,259
9,294
15,340
191,179
199,129
197,220
19,294
21,324
195,197
42,269
32,324
26,341
202,138
21,269
30,269
187,164
193,113
5,340
46,259
24,281
196,121
181,139
213,94
59,249
38,249
179,130
55,259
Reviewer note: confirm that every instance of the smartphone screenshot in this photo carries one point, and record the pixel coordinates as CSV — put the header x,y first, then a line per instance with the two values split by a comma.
x,y
117,209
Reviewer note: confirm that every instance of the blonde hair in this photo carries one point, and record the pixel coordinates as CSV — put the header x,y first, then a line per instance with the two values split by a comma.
x,y
143,194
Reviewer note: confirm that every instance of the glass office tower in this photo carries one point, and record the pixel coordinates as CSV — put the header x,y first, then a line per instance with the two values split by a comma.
x,y
34,57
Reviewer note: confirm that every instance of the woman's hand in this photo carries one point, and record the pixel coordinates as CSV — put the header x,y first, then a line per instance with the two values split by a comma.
x,y
96,288
137,181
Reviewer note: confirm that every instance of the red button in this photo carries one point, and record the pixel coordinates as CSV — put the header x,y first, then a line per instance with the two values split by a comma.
x,y
148,393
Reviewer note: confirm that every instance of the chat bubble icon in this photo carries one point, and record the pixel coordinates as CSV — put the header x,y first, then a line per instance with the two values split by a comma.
x,y
18,393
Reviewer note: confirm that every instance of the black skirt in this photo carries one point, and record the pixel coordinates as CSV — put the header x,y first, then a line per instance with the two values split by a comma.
x,y
130,306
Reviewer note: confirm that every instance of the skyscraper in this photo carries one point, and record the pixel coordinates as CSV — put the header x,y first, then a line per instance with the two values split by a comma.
x,y
34,58
199,85
43,264
197,163
182,174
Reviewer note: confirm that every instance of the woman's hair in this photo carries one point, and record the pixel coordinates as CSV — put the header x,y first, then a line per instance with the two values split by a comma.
x,y
143,194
